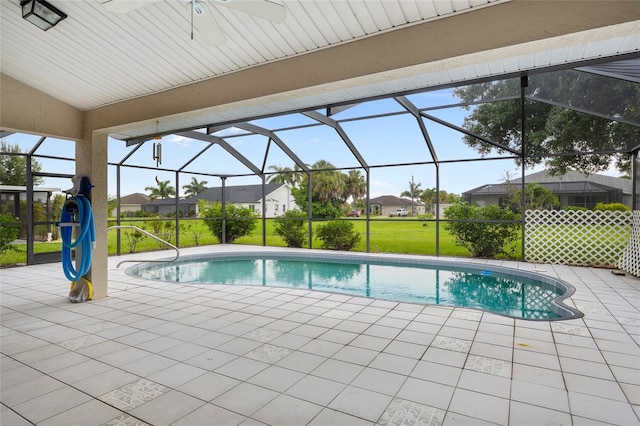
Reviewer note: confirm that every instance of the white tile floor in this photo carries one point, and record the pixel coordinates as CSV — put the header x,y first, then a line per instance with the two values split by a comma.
x,y
171,354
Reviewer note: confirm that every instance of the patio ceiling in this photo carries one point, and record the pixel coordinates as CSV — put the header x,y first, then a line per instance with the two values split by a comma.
x,y
333,52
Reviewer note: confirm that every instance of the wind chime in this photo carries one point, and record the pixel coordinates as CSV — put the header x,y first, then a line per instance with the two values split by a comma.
x,y
157,148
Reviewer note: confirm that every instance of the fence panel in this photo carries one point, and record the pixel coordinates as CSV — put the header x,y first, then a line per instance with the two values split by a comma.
x,y
630,260
577,237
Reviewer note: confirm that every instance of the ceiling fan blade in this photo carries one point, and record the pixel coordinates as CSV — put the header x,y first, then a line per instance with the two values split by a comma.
x,y
124,6
265,9
208,27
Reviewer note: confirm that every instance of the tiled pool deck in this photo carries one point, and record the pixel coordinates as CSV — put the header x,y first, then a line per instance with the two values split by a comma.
x,y
170,354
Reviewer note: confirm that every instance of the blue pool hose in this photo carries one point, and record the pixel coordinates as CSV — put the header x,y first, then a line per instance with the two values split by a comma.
x,y
86,238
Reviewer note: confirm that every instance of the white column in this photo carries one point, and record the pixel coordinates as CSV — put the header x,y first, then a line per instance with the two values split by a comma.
x,y
91,161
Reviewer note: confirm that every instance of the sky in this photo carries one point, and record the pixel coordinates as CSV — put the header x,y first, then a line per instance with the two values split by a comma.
x,y
392,139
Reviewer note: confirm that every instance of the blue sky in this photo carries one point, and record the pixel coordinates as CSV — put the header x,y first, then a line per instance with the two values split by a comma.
x,y
392,139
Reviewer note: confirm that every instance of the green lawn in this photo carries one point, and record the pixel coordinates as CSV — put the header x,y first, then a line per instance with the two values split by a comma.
x,y
387,236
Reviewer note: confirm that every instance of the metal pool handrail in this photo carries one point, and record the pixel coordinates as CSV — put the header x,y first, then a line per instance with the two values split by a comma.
x,y
152,236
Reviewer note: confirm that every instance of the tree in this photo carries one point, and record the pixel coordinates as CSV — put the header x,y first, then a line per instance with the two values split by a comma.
x,y
13,167
428,196
355,185
536,197
194,188
554,129
240,221
9,232
414,192
287,175
112,204
471,228
57,203
162,191
328,184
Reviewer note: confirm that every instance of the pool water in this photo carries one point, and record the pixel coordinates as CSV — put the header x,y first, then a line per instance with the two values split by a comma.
x,y
494,291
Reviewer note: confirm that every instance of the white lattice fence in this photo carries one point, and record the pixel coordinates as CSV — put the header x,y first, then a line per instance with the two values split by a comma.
x,y
630,259
576,237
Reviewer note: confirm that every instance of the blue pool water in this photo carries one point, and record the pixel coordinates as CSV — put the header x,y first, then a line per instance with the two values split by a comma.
x,y
497,290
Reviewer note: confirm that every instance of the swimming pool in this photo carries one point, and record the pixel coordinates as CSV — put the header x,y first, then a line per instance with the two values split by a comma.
x,y
504,291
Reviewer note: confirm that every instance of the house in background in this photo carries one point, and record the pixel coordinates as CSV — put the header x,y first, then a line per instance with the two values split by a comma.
x,y
572,189
130,203
278,200
386,205
13,201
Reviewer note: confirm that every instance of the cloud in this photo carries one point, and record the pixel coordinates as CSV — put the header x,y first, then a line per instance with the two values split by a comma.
x,y
381,184
180,141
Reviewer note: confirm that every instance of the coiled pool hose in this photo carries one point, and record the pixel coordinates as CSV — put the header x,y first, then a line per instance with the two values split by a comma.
x,y
85,239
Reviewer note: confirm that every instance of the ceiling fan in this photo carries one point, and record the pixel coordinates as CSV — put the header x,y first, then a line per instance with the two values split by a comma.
x,y
201,14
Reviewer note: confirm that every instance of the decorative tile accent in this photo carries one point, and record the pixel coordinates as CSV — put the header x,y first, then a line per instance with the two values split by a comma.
x,y
134,394
94,328
576,330
4,331
269,353
337,313
406,413
451,344
326,304
593,310
482,364
466,315
629,321
125,420
81,342
198,300
195,309
262,335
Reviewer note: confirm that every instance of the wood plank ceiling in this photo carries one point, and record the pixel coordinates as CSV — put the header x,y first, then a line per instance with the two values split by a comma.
x,y
96,57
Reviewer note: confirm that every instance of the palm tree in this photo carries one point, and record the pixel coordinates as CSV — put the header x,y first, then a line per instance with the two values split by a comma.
x,y
356,186
194,188
286,175
327,184
428,196
162,191
283,175
413,192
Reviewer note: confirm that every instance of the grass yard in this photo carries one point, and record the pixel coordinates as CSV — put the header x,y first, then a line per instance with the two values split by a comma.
x,y
386,236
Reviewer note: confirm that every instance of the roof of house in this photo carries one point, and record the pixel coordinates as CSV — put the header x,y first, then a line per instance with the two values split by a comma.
x,y
571,182
16,188
136,198
232,194
392,200
237,194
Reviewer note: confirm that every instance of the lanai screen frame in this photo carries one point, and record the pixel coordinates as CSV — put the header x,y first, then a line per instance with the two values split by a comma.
x,y
420,114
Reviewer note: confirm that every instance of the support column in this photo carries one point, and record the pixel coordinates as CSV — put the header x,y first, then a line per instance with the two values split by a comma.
x,y
91,161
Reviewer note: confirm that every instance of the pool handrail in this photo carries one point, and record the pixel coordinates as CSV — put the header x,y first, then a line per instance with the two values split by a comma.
x,y
150,235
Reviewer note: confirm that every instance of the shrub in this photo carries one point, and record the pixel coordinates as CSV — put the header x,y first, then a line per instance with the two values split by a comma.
x,y
338,235
483,239
612,207
195,229
163,229
9,232
575,208
240,221
133,237
323,209
292,228
536,197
